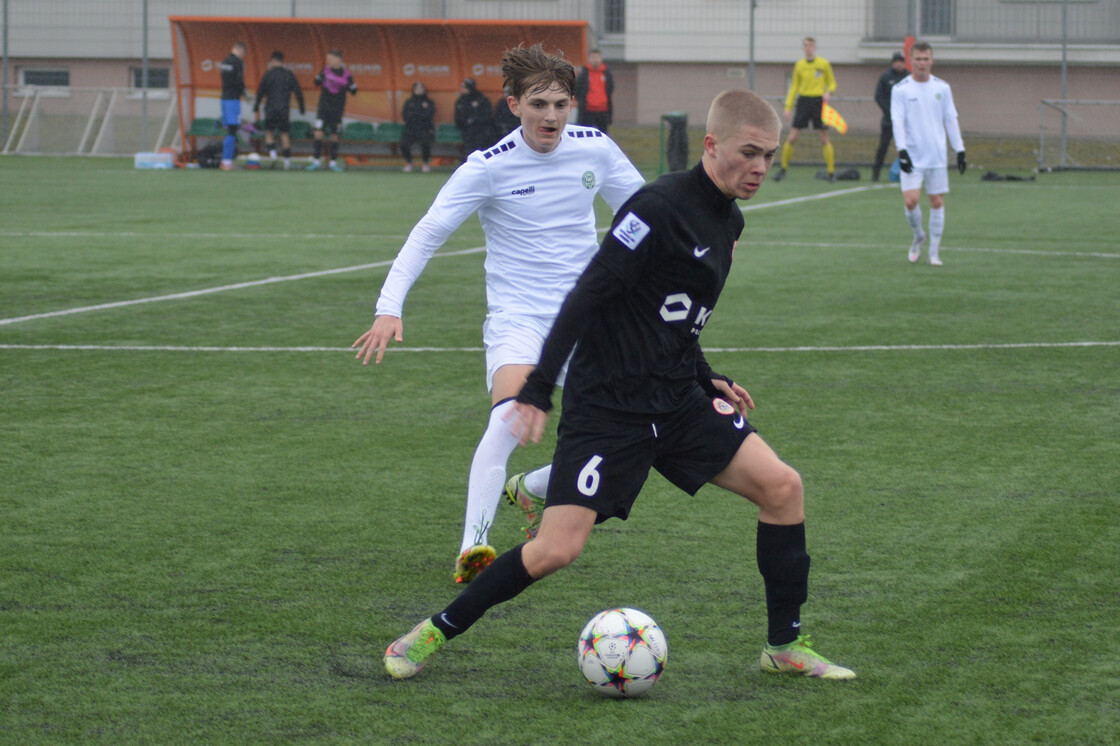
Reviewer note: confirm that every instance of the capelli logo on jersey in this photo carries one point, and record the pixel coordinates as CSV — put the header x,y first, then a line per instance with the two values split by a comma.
x,y
524,192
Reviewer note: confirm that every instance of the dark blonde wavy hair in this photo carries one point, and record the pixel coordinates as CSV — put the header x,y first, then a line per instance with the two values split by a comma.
x,y
531,70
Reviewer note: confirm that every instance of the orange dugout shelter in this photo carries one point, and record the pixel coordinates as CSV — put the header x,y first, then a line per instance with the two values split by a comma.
x,y
385,56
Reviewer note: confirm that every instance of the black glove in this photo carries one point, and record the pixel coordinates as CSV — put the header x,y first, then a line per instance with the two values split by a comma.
x,y
962,163
905,162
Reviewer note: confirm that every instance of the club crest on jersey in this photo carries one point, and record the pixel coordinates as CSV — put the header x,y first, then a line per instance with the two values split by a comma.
x,y
588,179
723,407
630,231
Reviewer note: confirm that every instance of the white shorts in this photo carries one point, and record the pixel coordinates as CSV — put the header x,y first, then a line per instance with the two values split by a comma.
x,y
512,339
936,180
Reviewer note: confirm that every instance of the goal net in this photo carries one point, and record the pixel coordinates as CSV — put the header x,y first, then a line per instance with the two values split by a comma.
x,y
1078,134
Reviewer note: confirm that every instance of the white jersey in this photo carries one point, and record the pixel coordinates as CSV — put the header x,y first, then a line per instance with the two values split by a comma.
x,y
922,114
537,211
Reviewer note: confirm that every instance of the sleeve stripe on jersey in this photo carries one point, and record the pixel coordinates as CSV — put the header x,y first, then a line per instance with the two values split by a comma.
x,y
500,149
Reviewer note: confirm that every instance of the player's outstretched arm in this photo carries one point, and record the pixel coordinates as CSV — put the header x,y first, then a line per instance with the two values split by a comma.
x,y
377,338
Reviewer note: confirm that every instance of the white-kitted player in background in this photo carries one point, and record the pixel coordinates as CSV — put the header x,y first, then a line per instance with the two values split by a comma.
x,y
922,114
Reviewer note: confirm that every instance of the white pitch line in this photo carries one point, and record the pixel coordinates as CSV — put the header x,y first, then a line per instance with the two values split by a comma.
x,y
811,197
136,234
953,249
219,289
397,350
1039,252
212,348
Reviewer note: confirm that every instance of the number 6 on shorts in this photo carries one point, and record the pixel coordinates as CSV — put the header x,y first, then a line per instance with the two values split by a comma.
x,y
588,482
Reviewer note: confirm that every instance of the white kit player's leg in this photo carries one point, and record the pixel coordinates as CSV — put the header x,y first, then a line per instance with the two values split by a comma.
x,y
527,493
488,476
537,481
936,229
914,218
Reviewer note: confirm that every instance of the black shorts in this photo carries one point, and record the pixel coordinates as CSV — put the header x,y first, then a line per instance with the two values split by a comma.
x,y
277,121
602,463
808,112
329,122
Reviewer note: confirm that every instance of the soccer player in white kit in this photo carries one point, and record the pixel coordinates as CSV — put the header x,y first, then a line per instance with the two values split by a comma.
x,y
922,114
534,192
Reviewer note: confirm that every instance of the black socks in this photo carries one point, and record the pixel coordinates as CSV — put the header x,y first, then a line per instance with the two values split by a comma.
x,y
784,565
502,580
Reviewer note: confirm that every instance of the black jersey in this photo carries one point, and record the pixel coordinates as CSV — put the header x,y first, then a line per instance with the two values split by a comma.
x,y
636,313
233,77
276,88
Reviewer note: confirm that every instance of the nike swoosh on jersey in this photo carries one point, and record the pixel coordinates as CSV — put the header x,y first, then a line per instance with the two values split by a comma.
x,y
699,253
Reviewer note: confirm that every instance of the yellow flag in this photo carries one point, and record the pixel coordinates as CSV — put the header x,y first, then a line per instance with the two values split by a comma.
x,y
832,118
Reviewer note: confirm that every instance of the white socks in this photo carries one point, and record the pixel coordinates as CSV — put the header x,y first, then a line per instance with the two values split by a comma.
x,y
914,218
487,478
536,482
936,228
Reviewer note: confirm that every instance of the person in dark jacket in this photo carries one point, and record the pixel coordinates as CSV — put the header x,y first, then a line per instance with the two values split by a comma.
x,y
472,117
418,115
275,92
505,121
896,72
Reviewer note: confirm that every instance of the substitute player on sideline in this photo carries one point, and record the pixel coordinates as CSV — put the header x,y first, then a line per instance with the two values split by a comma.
x,y
232,71
812,84
640,394
922,114
334,81
275,92
534,192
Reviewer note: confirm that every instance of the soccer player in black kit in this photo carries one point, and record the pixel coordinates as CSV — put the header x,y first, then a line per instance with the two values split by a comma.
x,y
335,81
275,91
639,394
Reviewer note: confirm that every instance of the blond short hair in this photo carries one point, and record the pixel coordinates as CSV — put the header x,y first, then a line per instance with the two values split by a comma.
x,y
732,109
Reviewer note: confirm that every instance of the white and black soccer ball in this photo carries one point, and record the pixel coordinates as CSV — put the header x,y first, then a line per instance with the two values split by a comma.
x,y
622,652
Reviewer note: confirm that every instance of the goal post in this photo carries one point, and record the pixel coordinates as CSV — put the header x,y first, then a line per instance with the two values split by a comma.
x,y
90,121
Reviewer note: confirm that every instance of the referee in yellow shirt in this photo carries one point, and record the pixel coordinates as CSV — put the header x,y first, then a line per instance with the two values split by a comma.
x,y
811,86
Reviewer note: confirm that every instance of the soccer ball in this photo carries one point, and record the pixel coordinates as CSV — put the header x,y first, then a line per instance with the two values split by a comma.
x,y
253,162
622,652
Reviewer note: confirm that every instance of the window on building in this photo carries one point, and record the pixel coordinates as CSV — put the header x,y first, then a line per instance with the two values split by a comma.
x,y
158,77
614,16
57,77
937,18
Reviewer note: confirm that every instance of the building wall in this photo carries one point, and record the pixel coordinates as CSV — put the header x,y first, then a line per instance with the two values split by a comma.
x,y
656,30
991,100
719,30
86,73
